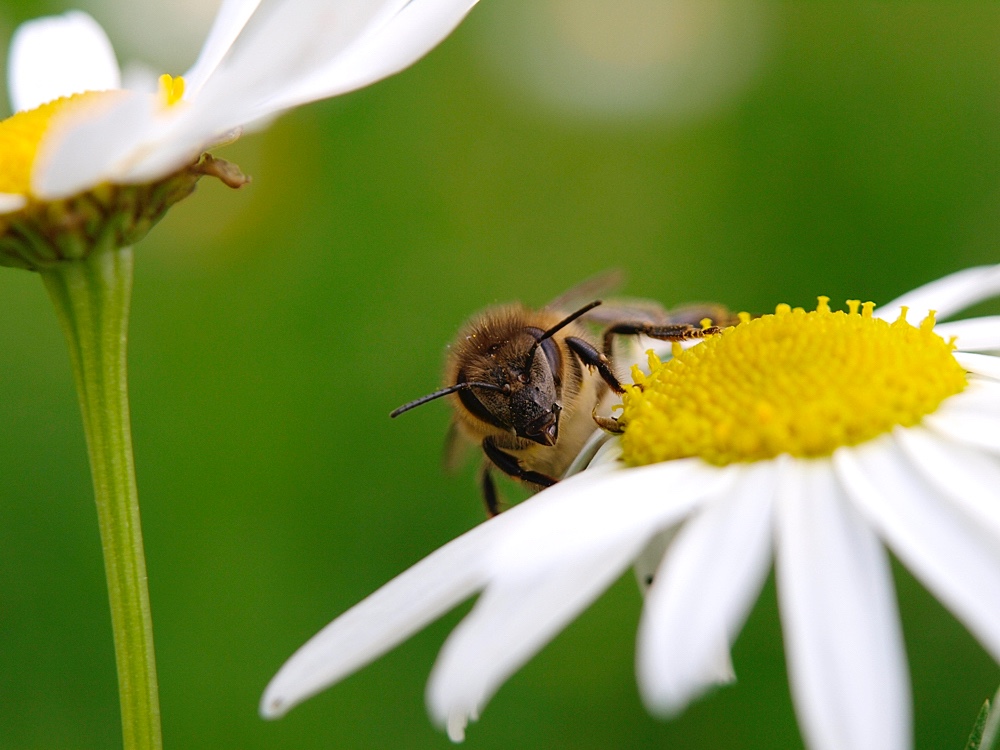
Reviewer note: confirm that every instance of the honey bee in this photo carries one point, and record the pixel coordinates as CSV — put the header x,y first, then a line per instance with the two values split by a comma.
x,y
529,382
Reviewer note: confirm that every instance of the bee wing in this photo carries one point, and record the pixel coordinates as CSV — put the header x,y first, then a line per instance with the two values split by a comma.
x,y
617,310
631,310
588,290
457,448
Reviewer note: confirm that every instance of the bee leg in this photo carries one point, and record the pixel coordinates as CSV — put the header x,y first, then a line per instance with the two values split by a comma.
x,y
512,467
490,497
589,356
677,332
608,424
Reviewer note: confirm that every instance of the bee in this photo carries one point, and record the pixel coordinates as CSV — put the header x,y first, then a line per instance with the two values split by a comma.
x,y
529,382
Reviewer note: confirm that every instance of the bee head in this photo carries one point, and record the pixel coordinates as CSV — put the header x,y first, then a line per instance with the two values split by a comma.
x,y
509,385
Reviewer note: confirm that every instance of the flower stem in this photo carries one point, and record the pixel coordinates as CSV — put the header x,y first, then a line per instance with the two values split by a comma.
x,y
92,298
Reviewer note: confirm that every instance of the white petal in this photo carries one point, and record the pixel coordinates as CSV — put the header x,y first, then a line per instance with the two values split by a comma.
x,y
511,621
588,452
10,202
163,151
403,606
973,334
947,295
648,561
280,45
86,147
592,509
58,56
981,395
981,364
965,426
702,593
229,22
968,477
608,455
283,44
288,53
409,35
846,663
948,551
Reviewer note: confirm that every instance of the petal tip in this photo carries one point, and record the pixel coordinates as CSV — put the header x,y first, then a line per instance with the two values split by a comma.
x,y
457,722
273,705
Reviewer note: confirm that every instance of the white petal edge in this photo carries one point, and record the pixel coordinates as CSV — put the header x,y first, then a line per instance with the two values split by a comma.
x,y
981,395
58,56
947,550
846,663
588,452
981,398
966,476
282,44
512,620
10,202
404,605
229,22
386,49
981,364
947,295
973,334
592,509
964,426
704,590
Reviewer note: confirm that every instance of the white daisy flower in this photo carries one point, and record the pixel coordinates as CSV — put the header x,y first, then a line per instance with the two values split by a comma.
x,y
78,138
810,438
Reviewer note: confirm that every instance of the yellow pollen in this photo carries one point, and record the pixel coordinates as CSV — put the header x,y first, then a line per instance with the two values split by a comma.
x,y
22,134
171,89
796,382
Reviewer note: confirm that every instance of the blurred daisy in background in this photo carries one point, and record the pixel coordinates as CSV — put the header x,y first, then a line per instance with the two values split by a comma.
x,y
810,439
631,61
76,128
88,164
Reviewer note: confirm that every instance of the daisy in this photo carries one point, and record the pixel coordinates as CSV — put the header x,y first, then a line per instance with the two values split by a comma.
x,y
80,147
813,440
87,167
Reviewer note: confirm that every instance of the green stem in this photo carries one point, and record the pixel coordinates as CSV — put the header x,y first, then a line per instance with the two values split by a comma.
x,y
92,297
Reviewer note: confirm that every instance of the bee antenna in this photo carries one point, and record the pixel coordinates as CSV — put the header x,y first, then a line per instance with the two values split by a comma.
x,y
443,392
558,327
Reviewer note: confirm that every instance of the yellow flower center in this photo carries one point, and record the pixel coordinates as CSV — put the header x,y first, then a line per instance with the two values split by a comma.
x,y
21,135
796,382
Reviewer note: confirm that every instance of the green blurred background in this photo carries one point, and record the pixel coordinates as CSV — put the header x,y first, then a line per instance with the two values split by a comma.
x,y
745,152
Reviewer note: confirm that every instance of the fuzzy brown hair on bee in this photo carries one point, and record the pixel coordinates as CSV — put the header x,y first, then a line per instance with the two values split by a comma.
x,y
528,382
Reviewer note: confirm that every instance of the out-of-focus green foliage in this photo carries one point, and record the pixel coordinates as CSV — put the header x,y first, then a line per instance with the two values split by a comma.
x,y
274,329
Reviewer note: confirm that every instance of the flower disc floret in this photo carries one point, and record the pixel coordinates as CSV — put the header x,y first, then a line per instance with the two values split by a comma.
x,y
795,382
